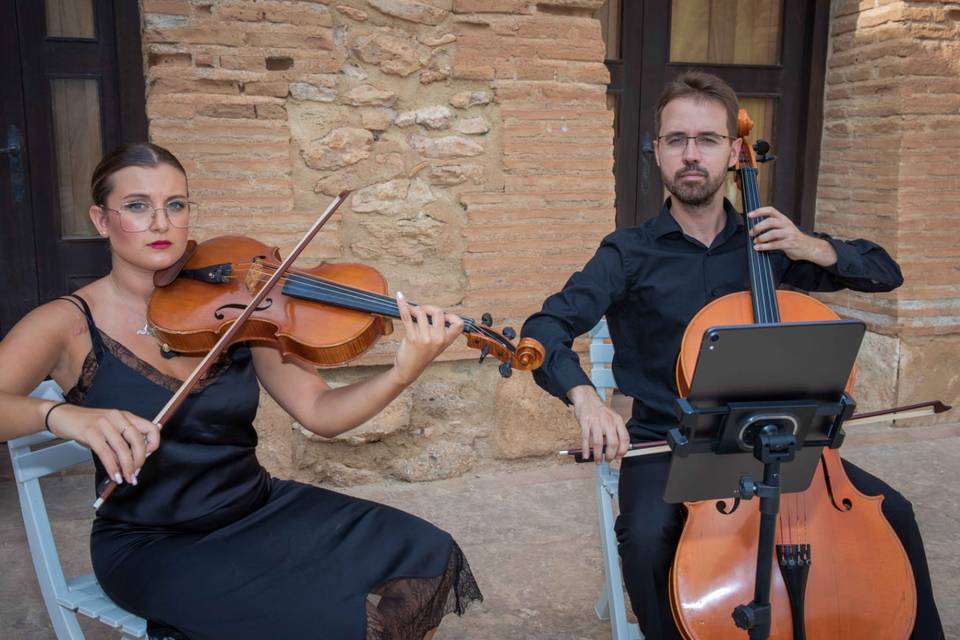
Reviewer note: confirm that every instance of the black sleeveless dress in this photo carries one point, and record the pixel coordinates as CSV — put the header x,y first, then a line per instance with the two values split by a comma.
x,y
208,545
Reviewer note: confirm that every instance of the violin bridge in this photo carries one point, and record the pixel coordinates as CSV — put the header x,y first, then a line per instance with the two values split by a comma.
x,y
256,277
387,325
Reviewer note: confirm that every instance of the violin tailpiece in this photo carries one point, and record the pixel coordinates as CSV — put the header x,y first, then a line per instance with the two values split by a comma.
x,y
214,274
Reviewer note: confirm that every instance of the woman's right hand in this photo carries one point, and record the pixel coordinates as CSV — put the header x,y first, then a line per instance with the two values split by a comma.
x,y
121,440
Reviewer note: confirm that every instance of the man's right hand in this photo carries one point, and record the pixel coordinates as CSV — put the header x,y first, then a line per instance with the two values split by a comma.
x,y
598,424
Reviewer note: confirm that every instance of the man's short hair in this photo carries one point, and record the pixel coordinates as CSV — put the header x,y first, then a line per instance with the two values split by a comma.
x,y
704,86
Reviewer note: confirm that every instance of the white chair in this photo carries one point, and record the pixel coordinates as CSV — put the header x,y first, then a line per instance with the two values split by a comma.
x,y
33,457
611,603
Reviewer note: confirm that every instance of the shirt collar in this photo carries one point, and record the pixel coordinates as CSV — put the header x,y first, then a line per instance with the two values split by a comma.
x,y
666,224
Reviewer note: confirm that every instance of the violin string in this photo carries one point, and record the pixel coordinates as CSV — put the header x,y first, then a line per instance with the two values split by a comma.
x,y
375,302
385,304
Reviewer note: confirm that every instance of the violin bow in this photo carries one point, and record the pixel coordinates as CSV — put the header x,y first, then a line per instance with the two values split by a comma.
x,y
905,412
108,485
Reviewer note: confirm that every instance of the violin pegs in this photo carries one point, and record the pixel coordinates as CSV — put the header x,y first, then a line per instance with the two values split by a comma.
x,y
484,352
509,333
506,370
486,320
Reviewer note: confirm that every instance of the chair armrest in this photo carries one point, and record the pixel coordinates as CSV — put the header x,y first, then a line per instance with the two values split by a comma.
x,y
28,465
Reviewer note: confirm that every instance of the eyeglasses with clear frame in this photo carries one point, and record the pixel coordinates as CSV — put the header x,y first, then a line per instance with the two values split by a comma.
x,y
707,143
137,216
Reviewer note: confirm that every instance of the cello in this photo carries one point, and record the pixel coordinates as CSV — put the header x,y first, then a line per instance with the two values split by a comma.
x,y
834,546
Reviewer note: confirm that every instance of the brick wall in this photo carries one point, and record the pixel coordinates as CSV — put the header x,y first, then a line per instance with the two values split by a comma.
x,y
476,139
891,147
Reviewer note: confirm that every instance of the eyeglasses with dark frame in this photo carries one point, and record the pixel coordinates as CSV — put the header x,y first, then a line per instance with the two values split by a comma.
x,y
137,216
706,142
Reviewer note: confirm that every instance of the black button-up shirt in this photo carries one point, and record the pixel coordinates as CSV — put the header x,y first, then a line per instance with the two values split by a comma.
x,y
649,281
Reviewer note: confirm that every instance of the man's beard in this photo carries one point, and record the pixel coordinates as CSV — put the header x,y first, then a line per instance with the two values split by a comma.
x,y
696,194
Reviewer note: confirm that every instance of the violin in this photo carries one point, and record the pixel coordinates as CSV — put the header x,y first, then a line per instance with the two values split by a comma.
x,y
326,315
224,291
834,546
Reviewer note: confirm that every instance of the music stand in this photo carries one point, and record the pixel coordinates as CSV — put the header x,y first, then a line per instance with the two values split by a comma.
x,y
761,396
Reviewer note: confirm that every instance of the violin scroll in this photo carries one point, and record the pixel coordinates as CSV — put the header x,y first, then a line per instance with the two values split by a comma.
x,y
529,354
526,356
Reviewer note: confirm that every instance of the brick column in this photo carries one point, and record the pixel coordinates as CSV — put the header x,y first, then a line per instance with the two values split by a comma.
x,y
891,148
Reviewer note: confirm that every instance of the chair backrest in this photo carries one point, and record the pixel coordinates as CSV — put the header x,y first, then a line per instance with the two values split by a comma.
x,y
34,456
601,359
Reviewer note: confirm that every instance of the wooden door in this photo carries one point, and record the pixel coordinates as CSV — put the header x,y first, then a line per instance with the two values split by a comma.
x,y
74,73
773,54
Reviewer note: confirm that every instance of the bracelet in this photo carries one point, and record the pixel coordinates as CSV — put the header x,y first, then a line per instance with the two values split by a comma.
x,y
46,418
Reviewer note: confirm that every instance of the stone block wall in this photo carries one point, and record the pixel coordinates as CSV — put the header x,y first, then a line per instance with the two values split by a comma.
x,y
476,139
889,158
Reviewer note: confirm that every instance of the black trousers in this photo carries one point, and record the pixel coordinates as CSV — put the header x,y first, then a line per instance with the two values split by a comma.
x,y
648,530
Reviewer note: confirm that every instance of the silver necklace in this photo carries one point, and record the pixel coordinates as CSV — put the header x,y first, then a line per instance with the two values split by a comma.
x,y
145,330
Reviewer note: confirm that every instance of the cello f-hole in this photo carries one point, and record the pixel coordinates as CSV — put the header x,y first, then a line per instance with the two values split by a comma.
x,y
722,506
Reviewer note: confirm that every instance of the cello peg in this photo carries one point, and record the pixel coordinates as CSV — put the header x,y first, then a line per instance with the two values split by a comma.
x,y
509,333
506,370
484,352
486,320
762,147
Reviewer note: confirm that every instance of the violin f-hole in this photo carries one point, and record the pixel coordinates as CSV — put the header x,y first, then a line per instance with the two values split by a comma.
x,y
218,314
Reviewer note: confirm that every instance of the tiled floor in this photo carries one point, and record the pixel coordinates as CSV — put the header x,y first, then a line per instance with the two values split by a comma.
x,y
529,531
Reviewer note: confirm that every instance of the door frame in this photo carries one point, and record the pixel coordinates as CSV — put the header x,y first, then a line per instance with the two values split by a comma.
x,y
40,259
797,82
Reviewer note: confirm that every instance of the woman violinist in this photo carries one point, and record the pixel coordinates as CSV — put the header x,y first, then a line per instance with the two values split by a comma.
x,y
200,540
649,281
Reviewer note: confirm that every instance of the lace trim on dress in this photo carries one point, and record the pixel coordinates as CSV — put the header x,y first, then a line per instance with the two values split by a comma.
x,y
90,364
410,607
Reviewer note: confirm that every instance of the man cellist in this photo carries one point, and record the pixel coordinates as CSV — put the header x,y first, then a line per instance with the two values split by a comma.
x,y
649,281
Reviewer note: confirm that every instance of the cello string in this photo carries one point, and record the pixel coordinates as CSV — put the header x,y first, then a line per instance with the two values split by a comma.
x,y
766,284
767,302
762,293
792,517
766,313
769,283
751,263
747,179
